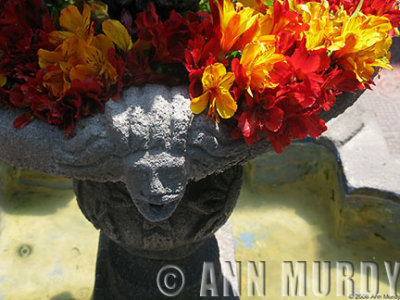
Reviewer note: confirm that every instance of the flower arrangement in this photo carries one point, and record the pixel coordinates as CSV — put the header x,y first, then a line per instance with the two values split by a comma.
x,y
270,66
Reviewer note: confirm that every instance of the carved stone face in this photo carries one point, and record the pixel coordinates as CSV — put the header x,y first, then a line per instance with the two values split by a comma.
x,y
205,206
149,130
156,181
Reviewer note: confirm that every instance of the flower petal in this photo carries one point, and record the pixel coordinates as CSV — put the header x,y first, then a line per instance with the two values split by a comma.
x,y
117,32
47,58
200,103
226,105
81,72
3,80
54,81
57,37
23,120
71,19
212,75
102,43
226,81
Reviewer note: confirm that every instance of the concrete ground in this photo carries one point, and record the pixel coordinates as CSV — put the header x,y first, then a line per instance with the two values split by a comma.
x,y
385,104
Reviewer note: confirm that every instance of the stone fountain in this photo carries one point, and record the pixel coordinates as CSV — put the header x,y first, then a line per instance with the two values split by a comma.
x,y
155,179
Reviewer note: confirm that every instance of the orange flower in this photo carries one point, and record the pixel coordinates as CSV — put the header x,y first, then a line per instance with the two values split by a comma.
x,y
258,59
323,25
81,54
216,84
258,5
75,24
76,59
237,27
278,20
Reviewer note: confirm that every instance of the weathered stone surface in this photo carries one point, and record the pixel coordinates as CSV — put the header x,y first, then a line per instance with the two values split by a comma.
x,y
133,249
360,143
121,275
149,140
205,206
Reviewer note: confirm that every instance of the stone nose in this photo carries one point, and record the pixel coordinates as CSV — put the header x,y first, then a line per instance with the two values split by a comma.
x,y
156,187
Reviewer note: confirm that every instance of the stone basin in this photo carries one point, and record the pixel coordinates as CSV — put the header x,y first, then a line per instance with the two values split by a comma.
x,y
156,180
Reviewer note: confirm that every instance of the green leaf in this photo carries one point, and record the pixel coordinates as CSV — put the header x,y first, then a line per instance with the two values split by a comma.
x,y
204,6
269,3
234,54
359,6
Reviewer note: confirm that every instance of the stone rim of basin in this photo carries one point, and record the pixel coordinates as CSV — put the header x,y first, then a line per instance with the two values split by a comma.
x,y
149,140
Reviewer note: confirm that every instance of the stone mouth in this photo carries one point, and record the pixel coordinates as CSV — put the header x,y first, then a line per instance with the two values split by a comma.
x,y
156,212
159,200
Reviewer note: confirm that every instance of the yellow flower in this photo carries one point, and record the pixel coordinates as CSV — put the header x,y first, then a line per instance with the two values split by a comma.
x,y
3,80
236,25
362,45
358,43
258,60
116,32
324,26
216,84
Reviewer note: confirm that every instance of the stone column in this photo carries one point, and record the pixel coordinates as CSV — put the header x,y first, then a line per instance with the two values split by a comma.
x,y
132,250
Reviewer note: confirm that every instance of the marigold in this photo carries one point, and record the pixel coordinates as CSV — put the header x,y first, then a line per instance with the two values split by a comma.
x,y
216,84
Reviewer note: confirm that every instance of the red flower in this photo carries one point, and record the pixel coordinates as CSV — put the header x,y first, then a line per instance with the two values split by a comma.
x,y
23,31
81,100
306,85
386,8
169,38
258,114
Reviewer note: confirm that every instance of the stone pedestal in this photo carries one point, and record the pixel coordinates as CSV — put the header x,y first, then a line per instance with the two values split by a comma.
x,y
133,250
120,275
